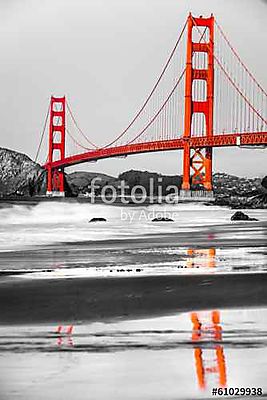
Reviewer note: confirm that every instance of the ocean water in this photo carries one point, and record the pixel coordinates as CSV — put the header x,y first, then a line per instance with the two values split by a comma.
x,y
65,222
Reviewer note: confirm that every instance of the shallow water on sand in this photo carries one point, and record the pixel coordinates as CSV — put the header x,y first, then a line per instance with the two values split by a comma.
x,y
57,240
176,357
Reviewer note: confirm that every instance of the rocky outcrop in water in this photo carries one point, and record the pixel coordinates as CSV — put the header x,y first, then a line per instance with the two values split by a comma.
x,y
240,216
22,177
19,175
162,219
98,219
264,184
252,195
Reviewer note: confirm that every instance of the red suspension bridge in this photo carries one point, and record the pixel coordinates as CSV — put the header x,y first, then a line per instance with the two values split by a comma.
x,y
205,97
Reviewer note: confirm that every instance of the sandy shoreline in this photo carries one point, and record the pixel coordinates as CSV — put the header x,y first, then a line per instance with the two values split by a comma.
x,y
24,301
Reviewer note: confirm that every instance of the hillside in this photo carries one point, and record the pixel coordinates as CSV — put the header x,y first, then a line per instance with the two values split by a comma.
x,y
22,177
82,179
18,173
229,190
236,192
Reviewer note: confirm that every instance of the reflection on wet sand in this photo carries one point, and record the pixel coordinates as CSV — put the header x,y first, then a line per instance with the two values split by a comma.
x,y
198,258
161,358
206,326
65,341
64,337
208,360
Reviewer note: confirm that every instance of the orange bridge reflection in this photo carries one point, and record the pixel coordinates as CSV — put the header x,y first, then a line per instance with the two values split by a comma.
x,y
64,336
209,360
206,330
199,258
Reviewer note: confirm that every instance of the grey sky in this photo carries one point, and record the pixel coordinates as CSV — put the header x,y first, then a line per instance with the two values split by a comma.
x,y
105,56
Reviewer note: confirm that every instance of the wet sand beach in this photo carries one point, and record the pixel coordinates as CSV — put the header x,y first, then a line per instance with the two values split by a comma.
x,y
95,299
181,356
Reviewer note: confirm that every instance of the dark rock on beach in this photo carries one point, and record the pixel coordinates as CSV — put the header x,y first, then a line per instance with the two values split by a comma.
x,y
162,219
98,220
240,216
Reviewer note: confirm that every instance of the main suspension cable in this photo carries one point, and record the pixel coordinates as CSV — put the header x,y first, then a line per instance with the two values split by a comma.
x,y
233,83
239,59
166,101
42,134
76,142
79,129
160,109
239,91
152,91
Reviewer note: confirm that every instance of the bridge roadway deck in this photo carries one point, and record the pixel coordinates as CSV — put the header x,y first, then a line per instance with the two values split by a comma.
x,y
236,139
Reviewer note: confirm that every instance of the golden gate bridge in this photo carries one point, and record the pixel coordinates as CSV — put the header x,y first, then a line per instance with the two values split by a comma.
x,y
204,97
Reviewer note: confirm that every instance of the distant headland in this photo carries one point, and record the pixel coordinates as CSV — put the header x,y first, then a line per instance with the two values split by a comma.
x,y
20,177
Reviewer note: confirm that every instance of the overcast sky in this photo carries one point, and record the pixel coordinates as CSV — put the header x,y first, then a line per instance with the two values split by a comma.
x,y
105,55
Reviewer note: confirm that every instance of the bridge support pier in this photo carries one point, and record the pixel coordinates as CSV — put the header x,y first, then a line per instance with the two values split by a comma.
x,y
186,185
200,162
55,194
208,169
55,183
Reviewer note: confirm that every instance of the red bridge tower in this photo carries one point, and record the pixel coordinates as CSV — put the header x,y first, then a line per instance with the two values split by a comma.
x,y
199,160
55,177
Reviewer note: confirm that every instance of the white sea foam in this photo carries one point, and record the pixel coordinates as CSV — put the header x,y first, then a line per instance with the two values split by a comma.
x,y
49,223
